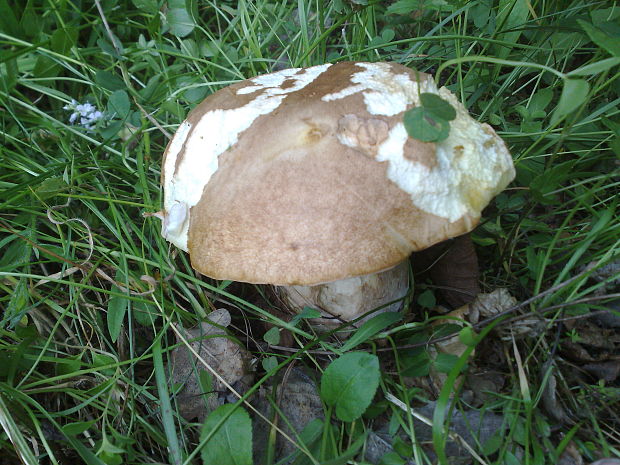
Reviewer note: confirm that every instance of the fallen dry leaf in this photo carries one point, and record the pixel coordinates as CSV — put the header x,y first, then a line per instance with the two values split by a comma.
x,y
225,357
298,401
606,371
570,455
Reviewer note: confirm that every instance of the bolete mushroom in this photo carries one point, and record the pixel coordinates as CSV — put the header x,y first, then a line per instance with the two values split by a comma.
x,y
307,179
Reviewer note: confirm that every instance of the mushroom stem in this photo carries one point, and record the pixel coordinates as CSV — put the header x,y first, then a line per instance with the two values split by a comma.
x,y
350,298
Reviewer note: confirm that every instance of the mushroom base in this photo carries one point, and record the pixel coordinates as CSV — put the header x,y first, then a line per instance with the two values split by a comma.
x,y
348,299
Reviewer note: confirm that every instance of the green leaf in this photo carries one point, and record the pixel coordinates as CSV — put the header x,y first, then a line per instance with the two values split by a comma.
x,y
445,362
8,20
402,7
9,74
101,360
50,187
512,16
349,383
61,42
348,455
108,80
370,328
117,307
468,336
574,93
269,363
205,379
68,365
614,145
18,303
540,100
272,336
119,104
179,20
109,452
596,67
427,299
144,313
416,362
112,130
229,429
17,254
148,6
511,459
439,107
114,49
306,313
78,427
392,458
480,14
602,38
494,442
424,126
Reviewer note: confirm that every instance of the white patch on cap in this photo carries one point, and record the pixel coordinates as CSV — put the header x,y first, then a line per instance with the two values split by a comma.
x,y
176,144
472,166
214,133
270,80
385,93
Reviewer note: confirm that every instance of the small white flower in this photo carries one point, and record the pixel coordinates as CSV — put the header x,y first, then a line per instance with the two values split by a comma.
x,y
86,112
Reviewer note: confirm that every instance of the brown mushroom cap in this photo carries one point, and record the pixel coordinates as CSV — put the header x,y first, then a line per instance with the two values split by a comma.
x,y
307,176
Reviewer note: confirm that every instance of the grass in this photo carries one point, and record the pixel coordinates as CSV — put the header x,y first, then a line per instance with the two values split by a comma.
x,y
85,338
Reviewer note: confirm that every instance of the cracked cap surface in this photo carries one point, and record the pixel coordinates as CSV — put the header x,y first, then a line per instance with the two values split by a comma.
x,y
306,176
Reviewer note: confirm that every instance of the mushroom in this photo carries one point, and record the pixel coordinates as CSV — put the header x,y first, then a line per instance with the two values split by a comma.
x,y
306,179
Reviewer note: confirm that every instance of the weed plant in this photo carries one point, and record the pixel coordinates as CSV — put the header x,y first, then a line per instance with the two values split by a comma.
x,y
91,293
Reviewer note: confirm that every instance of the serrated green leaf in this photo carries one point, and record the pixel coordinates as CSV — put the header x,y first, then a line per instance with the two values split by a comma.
x,y
349,383
231,443
370,328
437,106
119,104
574,94
425,127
